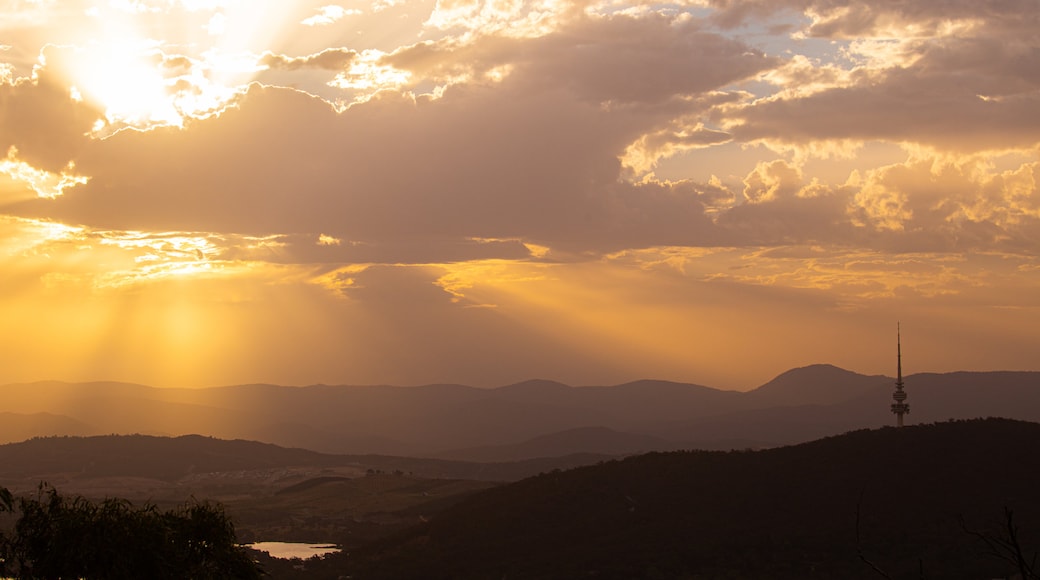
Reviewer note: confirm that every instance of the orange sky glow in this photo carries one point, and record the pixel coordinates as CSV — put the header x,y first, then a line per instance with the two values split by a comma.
x,y
210,192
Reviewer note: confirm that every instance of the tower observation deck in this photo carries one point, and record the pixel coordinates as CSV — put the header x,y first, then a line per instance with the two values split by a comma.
x,y
900,407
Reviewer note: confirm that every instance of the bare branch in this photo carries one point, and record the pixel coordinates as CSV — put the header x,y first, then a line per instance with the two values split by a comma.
x,y
1006,546
859,545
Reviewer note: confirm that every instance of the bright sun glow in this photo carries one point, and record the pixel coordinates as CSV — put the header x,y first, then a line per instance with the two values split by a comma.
x,y
137,81
128,85
135,85
482,191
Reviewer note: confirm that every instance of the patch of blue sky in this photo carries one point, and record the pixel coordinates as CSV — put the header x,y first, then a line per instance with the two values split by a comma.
x,y
785,36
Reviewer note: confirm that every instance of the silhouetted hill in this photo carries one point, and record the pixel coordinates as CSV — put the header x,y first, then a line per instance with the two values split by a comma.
x,y
153,457
534,385
581,440
933,397
798,405
816,385
791,512
55,459
938,397
19,427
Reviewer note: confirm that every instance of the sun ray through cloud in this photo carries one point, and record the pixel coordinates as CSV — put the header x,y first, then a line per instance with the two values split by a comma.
x,y
648,188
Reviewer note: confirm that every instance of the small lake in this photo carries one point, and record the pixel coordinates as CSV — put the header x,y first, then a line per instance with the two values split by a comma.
x,y
293,549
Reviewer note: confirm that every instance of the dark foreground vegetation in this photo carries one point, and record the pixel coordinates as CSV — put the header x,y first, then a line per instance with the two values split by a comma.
x,y
918,502
59,537
948,500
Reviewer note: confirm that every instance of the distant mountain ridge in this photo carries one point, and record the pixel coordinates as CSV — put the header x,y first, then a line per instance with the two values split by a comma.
x,y
514,421
816,385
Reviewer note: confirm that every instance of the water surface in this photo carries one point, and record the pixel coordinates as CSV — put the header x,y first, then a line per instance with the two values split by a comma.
x,y
293,549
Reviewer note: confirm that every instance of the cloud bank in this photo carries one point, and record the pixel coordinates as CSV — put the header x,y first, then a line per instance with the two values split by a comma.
x,y
515,159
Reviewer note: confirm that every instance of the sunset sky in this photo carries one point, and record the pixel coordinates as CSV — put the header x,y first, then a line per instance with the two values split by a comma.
x,y
210,192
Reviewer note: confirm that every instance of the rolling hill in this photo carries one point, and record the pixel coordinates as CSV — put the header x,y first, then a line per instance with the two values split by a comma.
x,y
190,461
903,501
538,417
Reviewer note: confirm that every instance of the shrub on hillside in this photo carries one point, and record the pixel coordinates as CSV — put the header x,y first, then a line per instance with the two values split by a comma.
x,y
56,536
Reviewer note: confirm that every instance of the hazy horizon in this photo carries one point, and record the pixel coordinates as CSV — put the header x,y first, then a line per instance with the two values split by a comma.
x,y
483,192
649,379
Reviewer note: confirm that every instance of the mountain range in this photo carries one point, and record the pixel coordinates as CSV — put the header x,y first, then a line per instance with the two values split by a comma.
x,y
537,418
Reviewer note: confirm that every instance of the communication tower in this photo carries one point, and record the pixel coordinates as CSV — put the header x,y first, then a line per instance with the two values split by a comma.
x,y
900,408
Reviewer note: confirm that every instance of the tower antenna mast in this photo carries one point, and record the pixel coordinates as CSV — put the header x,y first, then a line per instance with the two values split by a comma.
x,y
900,407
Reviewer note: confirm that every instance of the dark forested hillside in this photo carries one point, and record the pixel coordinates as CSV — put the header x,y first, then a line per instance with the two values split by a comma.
x,y
148,456
899,499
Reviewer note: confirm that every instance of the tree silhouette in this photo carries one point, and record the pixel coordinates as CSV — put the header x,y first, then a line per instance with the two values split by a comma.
x,y
59,537
1006,545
